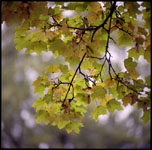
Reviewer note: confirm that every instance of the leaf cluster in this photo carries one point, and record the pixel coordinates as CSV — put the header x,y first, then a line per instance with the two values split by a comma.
x,y
83,40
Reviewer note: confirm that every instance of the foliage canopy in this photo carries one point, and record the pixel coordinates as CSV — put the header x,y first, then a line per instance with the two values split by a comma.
x,y
83,40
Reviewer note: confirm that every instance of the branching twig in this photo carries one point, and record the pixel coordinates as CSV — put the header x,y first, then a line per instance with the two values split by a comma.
x,y
106,57
95,57
113,7
86,77
123,30
69,27
73,78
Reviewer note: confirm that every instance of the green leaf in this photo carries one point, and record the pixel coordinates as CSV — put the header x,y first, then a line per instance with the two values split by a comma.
x,y
124,39
129,64
77,108
42,17
133,53
105,100
39,104
148,80
39,47
40,89
98,92
73,126
40,84
113,104
100,110
147,55
146,116
131,67
20,31
52,69
42,115
62,124
86,64
81,99
63,68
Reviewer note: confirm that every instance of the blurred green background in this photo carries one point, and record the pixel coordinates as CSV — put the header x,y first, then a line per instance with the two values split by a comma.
x,y
123,129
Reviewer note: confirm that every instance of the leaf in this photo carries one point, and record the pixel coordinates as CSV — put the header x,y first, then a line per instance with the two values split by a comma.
x,y
100,110
63,68
95,7
40,89
133,53
42,17
146,116
113,91
98,92
133,73
40,83
52,69
113,104
124,39
39,103
73,126
129,99
147,55
92,17
58,17
105,100
50,35
108,83
148,80
139,40
86,64
81,99
62,124
20,31
131,67
39,47
60,91
64,28
142,31
42,115
126,100
21,43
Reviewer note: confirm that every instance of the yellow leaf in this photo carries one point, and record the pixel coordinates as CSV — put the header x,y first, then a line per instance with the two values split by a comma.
x,y
96,43
52,69
50,35
60,91
108,83
92,17
105,100
147,55
58,17
95,7
133,73
64,28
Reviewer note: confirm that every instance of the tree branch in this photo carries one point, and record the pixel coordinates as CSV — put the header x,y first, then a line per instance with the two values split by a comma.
x,y
73,78
113,7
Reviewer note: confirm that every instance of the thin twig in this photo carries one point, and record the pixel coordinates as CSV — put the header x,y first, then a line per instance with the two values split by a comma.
x,y
113,7
73,78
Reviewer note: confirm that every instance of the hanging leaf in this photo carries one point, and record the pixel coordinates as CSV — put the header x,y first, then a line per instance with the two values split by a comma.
x,y
146,116
113,104
100,110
